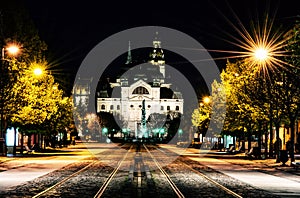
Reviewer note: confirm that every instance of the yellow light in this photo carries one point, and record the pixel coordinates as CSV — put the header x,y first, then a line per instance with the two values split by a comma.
x,y
13,49
262,48
37,71
206,100
261,54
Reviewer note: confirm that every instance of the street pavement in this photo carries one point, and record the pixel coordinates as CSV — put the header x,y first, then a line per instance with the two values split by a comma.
x,y
263,174
20,169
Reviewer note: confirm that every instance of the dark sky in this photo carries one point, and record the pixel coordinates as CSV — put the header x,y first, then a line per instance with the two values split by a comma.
x,y
71,29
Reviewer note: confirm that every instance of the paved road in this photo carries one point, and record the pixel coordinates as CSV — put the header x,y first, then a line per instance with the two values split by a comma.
x,y
16,170
278,182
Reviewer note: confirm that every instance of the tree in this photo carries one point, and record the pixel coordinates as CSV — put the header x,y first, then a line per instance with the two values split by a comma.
x,y
16,27
290,82
38,99
201,117
245,105
60,120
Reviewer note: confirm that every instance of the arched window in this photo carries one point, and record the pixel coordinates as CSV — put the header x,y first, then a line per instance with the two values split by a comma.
x,y
103,107
140,90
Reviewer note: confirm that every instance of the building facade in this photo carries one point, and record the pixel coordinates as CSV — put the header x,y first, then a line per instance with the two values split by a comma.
x,y
145,82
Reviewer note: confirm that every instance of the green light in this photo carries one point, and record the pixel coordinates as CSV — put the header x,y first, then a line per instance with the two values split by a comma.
x,y
104,130
162,131
180,131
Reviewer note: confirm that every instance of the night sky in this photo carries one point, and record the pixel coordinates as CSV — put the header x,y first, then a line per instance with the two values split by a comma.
x,y
71,29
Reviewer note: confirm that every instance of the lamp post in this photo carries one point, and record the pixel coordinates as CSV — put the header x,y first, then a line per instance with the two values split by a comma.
x,y
11,50
263,57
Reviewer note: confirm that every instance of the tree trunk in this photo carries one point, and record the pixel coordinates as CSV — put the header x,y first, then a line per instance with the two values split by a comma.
x,y
34,139
15,144
249,140
277,143
266,139
22,142
292,151
259,138
271,150
29,141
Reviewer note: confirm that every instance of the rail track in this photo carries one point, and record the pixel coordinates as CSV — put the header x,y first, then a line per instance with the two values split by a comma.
x,y
144,172
64,180
109,178
77,173
173,185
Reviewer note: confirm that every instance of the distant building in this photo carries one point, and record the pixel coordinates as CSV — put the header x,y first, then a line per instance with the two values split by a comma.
x,y
142,82
81,92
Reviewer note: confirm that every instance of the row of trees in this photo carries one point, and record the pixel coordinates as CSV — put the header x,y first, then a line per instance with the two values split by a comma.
x,y
32,102
259,96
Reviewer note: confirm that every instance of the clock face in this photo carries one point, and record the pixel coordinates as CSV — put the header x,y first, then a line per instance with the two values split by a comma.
x,y
140,97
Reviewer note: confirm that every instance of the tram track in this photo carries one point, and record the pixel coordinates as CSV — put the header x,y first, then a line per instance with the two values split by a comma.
x,y
212,181
207,178
227,190
173,185
150,171
64,180
110,177
95,164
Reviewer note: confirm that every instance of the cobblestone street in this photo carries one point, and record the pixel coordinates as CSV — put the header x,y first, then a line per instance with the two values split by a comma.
x,y
248,178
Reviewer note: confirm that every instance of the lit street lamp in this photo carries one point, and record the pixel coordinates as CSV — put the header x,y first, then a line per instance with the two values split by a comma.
x,y
37,71
12,50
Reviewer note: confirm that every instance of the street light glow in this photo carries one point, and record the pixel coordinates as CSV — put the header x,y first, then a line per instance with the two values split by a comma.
x,y
261,54
37,71
262,48
206,100
13,49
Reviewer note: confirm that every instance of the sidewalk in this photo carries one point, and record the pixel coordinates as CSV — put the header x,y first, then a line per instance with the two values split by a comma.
x,y
263,174
17,170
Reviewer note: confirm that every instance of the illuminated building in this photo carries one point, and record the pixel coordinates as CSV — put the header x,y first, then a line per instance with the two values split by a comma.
x,y
147,82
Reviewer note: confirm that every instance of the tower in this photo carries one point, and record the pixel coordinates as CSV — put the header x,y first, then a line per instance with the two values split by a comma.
x,y
129,57
157,56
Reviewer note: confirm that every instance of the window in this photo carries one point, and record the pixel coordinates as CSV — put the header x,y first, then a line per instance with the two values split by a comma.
x,y
118,107
140,90
111,107
168,108
161,108
131,106
177,108
103,107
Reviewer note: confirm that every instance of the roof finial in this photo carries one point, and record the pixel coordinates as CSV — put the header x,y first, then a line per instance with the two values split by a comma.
x,y
129,58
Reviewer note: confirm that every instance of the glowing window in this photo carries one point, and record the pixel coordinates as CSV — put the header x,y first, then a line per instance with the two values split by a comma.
x,y
140,90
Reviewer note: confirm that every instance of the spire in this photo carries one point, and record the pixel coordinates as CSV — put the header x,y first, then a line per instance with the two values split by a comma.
x,y
129,58
157,54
